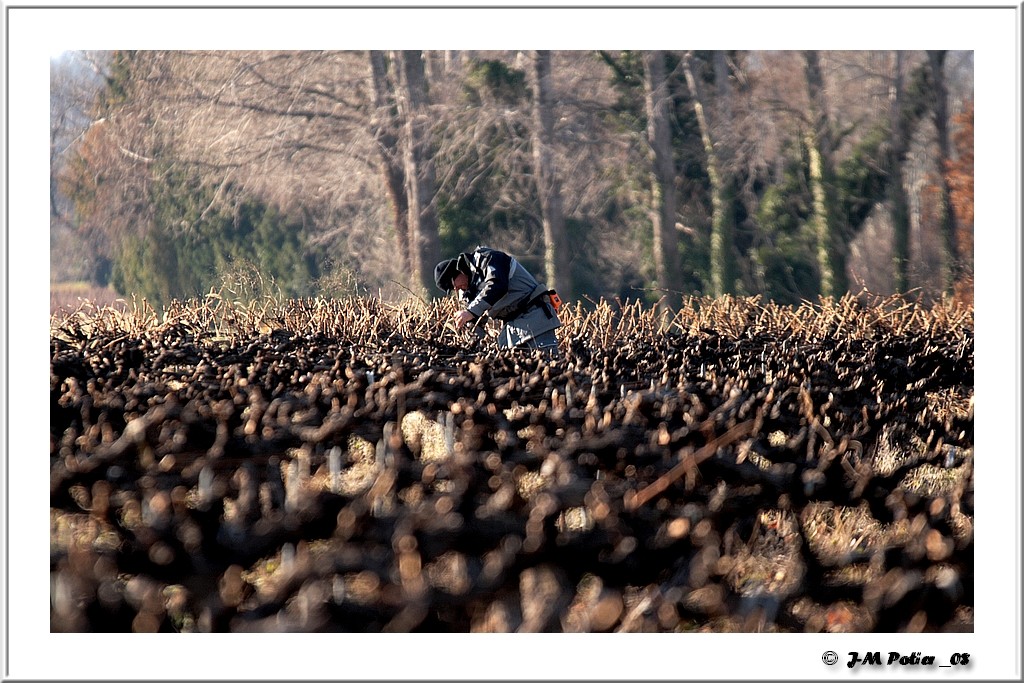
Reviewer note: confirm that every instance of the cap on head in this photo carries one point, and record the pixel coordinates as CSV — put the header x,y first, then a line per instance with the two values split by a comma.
x,y
444,274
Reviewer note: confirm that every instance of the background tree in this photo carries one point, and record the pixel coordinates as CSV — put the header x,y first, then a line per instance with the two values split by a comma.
x,y
723,260
486,187
106,174
73,87
909,104
167,231
297,131
549,186
820,147
386,130
419,168
960,174
662,174
960,177
940,117
311,144
897,152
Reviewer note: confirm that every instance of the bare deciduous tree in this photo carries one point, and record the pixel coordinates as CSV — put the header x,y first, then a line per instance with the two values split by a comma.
x,y
895,159
549,185
419,168
820,148
663,175
74,84
940,117
385,124
319,135
723,258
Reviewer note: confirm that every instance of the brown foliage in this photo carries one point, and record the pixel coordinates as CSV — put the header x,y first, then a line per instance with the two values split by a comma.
x,y
960,175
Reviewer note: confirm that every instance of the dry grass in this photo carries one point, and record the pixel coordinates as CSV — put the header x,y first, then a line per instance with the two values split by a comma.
x,y
237,311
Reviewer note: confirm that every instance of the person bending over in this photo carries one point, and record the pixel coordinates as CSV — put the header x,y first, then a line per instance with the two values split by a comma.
x,y
490,281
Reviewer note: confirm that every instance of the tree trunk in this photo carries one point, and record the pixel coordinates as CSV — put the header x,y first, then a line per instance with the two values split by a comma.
x,y
419,169
909,102
824,221
556,249
453,61
940,113
663,198
436,66
821,212
723,260
385,125
899,206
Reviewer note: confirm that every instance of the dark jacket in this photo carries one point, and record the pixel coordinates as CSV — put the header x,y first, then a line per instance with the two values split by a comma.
x,y
500,286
